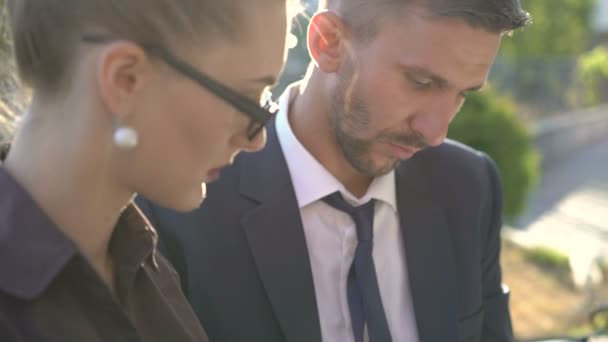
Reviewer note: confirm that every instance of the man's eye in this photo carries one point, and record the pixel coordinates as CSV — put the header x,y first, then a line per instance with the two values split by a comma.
x,y
420,83
423,83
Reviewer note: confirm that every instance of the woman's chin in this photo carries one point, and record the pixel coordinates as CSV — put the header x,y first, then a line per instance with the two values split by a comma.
x,y
187,202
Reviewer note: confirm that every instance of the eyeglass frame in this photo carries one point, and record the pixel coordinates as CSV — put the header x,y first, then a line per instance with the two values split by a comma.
x,y
259,113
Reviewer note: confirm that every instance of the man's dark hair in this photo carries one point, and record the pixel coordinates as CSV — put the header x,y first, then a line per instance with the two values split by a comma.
x,y
364,16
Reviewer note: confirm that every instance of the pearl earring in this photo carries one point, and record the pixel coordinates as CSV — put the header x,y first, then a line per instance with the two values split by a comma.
x,y
125,137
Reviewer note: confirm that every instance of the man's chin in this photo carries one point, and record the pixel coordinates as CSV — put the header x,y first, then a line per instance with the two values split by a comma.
x,y
388,169
377,170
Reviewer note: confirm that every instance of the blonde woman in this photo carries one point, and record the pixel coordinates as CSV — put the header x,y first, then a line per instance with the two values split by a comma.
x,y
129,96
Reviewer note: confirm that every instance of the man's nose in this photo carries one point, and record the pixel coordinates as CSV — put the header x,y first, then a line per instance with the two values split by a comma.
x,y
433,122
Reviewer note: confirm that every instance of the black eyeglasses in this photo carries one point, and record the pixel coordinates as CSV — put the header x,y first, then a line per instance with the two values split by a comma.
x,y
259,114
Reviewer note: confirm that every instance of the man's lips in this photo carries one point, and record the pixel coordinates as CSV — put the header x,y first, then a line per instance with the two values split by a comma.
x,y
402,152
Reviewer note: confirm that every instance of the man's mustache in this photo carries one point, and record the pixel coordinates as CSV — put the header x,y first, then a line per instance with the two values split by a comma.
x,y
414,140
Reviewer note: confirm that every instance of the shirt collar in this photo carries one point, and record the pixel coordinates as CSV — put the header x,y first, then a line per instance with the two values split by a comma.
x,y
33,251
134,240
311,180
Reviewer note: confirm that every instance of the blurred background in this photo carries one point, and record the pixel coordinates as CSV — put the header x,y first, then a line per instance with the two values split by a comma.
x,y
544,119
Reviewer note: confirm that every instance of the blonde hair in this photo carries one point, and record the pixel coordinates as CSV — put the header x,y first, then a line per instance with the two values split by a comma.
x,y
46,33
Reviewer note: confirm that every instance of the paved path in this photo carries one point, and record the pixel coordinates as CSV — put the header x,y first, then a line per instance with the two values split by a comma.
x,y
569,210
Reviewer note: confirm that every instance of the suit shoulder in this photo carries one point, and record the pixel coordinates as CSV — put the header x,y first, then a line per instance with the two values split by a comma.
x,y
457,152
456,158
453,165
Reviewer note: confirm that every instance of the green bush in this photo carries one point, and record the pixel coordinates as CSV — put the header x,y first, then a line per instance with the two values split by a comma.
x,y
548,257
536,64
592,78
552,262
488,122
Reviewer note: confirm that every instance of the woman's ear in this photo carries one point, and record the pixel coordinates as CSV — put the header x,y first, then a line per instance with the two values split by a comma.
x,y
122,69
326,40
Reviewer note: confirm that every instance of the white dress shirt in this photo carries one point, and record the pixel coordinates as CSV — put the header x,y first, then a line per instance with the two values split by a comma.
x,y
331,238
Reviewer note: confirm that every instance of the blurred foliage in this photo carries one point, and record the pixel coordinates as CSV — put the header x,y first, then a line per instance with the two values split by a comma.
x,y
5,40
560,27
599,319
8,107
552,262
592,78
4,30
536,63
488,122
547,257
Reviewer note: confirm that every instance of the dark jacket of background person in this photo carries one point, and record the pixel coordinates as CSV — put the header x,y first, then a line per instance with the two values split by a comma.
x,y
245,267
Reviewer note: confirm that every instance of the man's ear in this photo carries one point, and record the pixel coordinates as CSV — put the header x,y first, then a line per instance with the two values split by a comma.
x,y
327,36
122,68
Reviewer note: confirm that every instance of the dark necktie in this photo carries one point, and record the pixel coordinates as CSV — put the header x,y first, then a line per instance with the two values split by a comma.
x,y
364,299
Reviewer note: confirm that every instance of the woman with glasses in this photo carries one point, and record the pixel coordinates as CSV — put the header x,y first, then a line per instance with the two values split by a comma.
x,y
128,96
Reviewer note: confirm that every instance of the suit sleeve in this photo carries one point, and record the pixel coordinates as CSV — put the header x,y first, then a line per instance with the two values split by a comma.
x,y
168,244
497,321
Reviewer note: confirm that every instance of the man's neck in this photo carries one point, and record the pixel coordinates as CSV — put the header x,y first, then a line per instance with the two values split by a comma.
x,y
310,120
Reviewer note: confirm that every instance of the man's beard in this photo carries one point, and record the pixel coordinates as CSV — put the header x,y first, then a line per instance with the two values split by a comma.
x,y
351,117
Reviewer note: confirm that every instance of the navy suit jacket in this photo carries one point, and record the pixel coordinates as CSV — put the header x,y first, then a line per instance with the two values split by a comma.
x,y
244,265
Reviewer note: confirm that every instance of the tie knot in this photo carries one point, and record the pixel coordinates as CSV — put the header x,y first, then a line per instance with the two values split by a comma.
x,y
362,215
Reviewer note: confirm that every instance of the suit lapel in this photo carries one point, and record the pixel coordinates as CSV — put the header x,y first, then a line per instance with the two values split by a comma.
x,y
276,237
429,256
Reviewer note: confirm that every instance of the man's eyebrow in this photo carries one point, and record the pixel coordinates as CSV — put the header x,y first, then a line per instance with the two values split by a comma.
x,y
425,72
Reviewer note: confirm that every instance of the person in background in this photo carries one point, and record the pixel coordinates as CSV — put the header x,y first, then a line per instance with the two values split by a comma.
x,y
129,96
359,220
